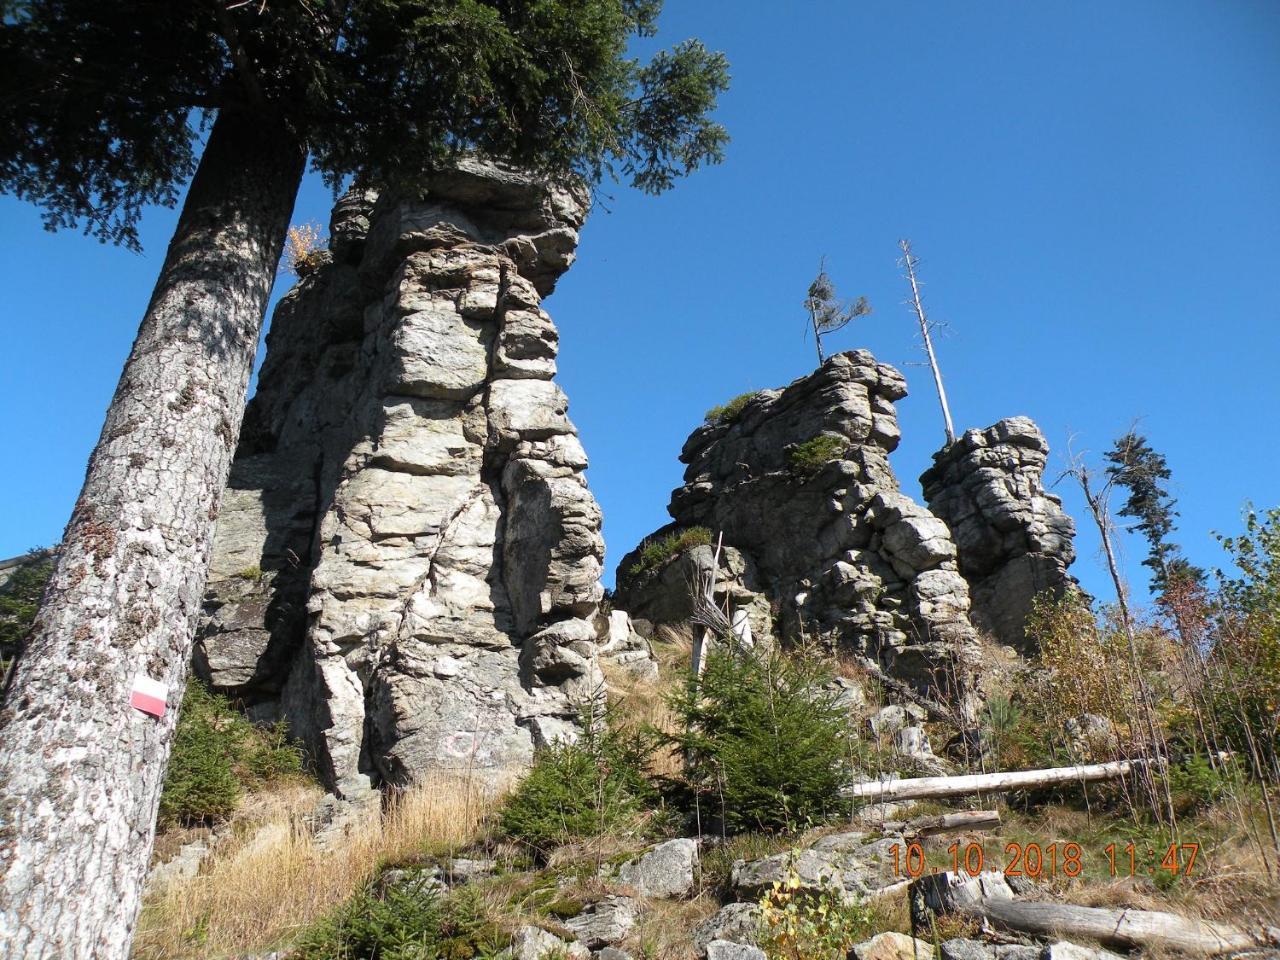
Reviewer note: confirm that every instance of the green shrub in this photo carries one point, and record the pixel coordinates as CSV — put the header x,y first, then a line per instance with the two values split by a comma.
x,y
410,921
655,553
811,456
582,789
217,755
1197,784
728,412
767,745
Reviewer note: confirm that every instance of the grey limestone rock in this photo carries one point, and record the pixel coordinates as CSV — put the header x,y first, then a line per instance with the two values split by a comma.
x,y
892,946
838,550
407,561
736,922
1012,537
605,922
728,950
664,870
850,865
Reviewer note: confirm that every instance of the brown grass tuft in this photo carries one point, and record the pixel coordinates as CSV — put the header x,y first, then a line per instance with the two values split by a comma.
x,y
269,879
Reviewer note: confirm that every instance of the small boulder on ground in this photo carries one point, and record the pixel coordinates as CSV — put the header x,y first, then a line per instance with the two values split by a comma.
x,y
893,946
736,922
533,943
605,922
727,950
851,865
664,870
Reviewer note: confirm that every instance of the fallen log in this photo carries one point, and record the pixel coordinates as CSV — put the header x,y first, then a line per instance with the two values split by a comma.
x,y
987,897
945,823
927,788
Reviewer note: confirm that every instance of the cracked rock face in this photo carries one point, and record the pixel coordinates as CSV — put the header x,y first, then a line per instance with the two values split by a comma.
x,y
1012,536
836,548
408,558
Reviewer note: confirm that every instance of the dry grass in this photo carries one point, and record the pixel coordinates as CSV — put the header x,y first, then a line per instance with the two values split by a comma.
x,y
647,704
270,879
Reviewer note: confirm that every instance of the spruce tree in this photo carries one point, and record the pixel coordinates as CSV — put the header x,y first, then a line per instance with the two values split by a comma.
x,y
106,108
1144,473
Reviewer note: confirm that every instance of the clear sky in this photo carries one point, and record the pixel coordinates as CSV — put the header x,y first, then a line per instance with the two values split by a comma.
x,y
1093,187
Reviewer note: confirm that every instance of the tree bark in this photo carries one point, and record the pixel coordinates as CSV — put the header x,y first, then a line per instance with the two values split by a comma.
x,y
80,770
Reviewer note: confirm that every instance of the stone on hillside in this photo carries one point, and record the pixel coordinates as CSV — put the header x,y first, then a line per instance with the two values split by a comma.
x,y
962,949
407,561
625,648
612,953
727,950
459,870
893,718
833,548
737,922
665,870
893,946
533,943
850,865
1065,950
605,922
1013,538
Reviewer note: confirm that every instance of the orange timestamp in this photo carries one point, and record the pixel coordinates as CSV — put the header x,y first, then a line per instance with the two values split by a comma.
x,y
1036,860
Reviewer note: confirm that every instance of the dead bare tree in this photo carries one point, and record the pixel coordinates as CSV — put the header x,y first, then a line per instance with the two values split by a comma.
x,y
1098,499
909,261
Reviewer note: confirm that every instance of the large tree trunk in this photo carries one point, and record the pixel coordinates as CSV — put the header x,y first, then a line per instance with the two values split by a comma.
x,y
80,770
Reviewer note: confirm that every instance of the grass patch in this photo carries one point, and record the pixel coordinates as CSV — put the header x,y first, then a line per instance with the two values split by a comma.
x,y
728,412
656,553
811,456
269,881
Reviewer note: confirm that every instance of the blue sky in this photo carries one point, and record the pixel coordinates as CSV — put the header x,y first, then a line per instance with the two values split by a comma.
x,y
1093,188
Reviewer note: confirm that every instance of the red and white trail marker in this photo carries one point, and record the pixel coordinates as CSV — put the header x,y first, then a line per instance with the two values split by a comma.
x,y
149,695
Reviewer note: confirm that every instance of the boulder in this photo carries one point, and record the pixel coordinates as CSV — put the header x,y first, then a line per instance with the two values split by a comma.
x,y
851,865
736,922
727,950
664,870
605,922
893,946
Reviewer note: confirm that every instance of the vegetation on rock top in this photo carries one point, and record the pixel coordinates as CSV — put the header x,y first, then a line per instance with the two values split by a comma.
x,y
730,411
655,553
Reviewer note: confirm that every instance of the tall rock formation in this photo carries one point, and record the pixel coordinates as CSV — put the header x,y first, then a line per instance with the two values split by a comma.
x,y
408,558
1013,538
820,525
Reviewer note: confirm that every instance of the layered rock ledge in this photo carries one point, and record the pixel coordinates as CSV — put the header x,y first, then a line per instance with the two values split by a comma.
x,y
1014,540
